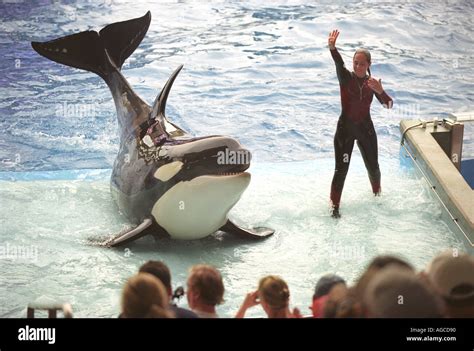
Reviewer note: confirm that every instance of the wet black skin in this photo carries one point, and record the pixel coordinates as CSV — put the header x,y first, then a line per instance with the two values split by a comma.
x,y
133,184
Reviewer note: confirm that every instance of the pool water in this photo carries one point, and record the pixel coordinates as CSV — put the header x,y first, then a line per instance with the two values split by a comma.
x,y
260,73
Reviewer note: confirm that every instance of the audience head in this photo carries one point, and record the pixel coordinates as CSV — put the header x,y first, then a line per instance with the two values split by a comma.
x,y
383,261
160,271
205,286
375,266
144,296
388,288
451,275
326,284
397,292
274,295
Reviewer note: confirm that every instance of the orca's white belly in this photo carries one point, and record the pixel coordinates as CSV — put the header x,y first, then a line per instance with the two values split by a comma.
x,y
197,208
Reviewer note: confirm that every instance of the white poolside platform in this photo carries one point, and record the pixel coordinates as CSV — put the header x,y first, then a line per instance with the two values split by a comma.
x,y
436,150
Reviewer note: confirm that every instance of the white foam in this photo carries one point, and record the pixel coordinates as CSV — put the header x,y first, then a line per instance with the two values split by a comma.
x,y
59,216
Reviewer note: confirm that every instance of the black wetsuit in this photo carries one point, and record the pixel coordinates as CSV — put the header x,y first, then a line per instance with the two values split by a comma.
x,y
355,124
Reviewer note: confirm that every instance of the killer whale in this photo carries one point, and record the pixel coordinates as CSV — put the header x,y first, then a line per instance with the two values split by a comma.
x,y
165,181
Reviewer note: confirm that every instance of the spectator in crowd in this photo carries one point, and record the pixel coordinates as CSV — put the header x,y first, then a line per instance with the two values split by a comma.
x,y
348,303
383,261
345,306
376,265
396,292
205,290
451,275
274,297
144,296
325,285
161,271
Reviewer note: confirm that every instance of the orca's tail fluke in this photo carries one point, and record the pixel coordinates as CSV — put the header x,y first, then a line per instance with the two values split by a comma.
x,y
98,52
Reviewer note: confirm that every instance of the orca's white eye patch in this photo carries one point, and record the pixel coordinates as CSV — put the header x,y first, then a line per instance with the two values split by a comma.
x,y
168,171
147,141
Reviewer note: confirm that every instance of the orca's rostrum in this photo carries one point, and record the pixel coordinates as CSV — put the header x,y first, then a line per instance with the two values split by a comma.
x,y
164,180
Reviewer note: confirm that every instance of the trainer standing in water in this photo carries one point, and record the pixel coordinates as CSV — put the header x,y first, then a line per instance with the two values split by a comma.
x,y
357,91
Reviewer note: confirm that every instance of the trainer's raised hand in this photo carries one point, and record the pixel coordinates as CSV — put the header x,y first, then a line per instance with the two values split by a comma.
x,y
332,39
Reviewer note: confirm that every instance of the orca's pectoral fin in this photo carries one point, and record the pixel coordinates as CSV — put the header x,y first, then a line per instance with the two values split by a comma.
x,y
130,235
254,233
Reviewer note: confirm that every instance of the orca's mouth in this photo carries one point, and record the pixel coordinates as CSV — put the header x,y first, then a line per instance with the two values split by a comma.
x,y
224,174
230,171
219,161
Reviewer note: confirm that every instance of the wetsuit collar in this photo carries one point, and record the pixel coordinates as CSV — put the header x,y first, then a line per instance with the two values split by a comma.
x,y
355,75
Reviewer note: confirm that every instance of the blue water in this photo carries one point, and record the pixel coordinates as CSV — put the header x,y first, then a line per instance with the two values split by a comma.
x,y
260,73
